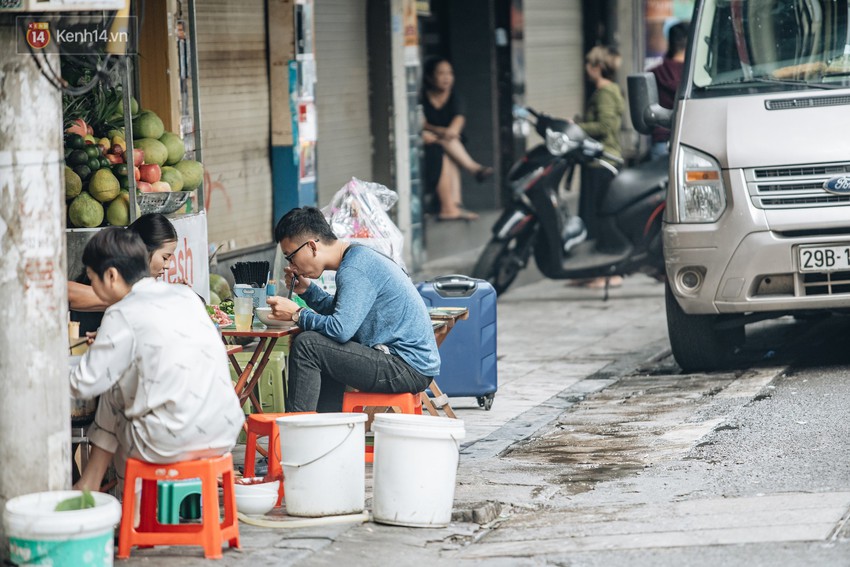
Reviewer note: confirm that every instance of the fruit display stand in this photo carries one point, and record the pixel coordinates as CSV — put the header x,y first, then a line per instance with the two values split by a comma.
x,y
185,209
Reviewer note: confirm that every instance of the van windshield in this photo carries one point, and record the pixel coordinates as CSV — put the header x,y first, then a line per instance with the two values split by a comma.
x,y
770,45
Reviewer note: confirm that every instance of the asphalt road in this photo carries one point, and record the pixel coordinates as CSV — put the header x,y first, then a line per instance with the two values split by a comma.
x,y
747,467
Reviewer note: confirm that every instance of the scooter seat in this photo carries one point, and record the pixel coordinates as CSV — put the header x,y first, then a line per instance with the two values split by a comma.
x,y
633,184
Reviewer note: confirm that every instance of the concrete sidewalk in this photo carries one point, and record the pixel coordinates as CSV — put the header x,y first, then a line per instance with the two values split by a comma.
x,y
556,345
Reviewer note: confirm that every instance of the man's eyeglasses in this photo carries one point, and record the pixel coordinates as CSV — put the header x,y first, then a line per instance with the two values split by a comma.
x,y
294,252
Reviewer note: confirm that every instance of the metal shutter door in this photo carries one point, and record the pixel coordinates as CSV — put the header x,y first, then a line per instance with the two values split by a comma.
x,y
234,86
342,95
553,57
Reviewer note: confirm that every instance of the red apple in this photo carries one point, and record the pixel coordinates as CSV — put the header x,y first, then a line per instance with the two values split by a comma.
x,y
138,157
136,173
117,150
150,172
161,187
144,187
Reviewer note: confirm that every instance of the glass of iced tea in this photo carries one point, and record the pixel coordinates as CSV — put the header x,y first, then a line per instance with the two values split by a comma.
x,y
243,312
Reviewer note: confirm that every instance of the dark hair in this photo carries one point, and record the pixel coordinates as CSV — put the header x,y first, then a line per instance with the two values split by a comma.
x,y
429,68
677,39
304,221
155,230
606,57
117,248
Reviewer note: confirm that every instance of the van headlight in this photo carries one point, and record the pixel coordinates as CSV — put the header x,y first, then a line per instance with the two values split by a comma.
x,y
702,195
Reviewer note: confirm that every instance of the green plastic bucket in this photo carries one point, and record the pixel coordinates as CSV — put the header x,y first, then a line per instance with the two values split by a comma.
x,y
38,535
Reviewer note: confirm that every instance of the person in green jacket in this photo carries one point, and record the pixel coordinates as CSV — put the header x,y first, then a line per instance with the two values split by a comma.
x,y
602,121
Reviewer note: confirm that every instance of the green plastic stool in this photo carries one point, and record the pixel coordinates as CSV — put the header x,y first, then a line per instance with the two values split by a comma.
x,y
270,385
178,499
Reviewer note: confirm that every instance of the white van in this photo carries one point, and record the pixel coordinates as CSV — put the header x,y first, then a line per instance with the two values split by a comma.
x,y
757,223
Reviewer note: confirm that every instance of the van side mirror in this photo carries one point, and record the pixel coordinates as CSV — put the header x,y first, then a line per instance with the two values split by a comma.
x,y
643,104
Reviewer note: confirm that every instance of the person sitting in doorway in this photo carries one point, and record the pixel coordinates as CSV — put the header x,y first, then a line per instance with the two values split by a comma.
x,y
158,365
442,135
374,334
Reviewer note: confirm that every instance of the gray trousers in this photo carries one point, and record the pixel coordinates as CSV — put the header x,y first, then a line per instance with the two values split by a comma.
x,y
113,432
321,368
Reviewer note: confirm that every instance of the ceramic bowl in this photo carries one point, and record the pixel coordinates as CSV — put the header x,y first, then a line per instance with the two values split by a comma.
x,y
256,486
264,315
257,499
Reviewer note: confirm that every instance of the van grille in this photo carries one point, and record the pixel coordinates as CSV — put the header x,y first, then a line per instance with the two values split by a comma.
x,y
796,186
829,283
808,102
799,171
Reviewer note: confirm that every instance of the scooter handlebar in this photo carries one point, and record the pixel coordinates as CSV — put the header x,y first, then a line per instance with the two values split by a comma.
x,y
611,157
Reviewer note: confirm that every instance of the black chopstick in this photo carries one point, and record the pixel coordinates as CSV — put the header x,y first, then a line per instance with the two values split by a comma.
x,y
291,286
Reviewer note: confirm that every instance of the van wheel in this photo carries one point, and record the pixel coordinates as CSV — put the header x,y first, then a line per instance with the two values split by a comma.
x,y
697,345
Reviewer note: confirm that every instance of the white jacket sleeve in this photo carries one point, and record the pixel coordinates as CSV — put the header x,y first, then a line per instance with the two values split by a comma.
x,y
107,360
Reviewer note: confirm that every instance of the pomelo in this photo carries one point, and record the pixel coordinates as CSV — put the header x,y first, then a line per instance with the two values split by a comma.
x,y
118,211
155,151
175,147
193,173
73,183
173,177
214,299
104,186
147,125
220,287
85,212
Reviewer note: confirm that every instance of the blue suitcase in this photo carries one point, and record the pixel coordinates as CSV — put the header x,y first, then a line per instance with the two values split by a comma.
x,y
469,352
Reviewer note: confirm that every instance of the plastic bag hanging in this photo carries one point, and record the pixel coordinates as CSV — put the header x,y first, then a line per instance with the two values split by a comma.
x,y
358,212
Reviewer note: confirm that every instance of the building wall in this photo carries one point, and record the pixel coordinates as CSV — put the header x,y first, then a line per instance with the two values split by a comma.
x,y
342,95
234,101
554,62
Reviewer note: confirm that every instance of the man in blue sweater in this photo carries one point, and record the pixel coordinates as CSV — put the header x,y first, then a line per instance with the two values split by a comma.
x,y
374,334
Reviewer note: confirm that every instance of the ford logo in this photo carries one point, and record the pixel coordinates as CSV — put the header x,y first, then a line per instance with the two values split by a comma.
x,y
839,185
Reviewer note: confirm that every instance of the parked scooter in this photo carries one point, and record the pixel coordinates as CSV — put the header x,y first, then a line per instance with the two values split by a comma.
x,y
538,221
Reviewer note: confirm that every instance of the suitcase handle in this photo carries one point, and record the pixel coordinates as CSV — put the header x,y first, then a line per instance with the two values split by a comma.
x,y
454,282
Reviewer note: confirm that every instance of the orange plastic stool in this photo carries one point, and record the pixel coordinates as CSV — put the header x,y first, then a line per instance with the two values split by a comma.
x,y
265,425
210,534
356,401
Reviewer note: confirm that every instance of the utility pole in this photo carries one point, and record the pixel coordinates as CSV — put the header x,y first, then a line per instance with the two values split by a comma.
x,y
35,411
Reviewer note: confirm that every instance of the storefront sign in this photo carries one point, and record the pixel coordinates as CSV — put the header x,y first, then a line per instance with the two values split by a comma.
x,y
190,264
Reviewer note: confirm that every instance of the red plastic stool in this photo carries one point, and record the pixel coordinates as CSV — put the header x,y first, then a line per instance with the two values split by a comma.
x,y
265,425
356,401
210,534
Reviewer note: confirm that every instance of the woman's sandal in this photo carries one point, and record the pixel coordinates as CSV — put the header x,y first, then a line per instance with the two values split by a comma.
x,y
483,173
463,215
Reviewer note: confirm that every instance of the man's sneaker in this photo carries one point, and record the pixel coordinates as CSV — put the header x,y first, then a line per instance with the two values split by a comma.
x,y
574,232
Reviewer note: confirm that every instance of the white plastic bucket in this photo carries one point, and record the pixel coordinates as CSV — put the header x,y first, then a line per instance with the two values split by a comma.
x,y
38,535
323,463
416,458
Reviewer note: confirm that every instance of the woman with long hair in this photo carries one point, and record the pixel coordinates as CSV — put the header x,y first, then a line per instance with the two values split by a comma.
x,y
160,238
445,153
